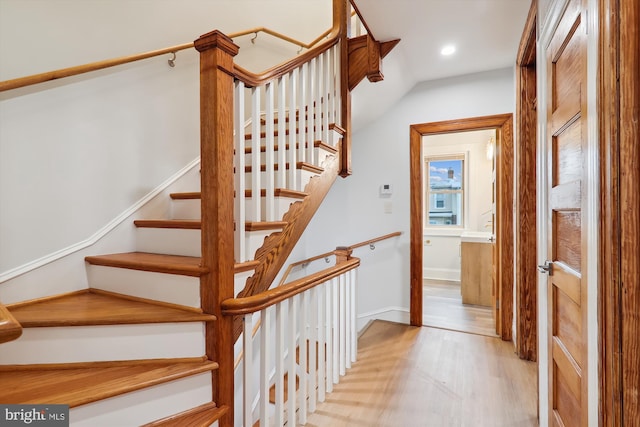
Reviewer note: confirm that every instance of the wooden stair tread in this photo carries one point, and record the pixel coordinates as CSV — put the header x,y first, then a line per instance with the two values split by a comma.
x,y
75,386
279,192
160,263
245,266
300,165
200,416
183,224
196,224
185,195
265,225
95,307
189,266
317,144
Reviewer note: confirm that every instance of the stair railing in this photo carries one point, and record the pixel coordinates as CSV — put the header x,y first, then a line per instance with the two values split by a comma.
x,y
107,63
10,328
222,92
313,317
265,367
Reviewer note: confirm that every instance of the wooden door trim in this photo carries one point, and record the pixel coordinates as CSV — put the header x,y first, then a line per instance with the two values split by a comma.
x,y
526,279
620,207
503,123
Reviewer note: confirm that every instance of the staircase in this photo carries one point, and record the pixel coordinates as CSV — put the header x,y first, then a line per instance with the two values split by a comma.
x,y
147,342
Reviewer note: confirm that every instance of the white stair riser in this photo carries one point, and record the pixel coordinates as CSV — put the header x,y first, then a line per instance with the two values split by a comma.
x,y
190,209
146,405
302,178
281,206
186,242
240,279
170,241
255,240
173,288
70,344
319,155
185,209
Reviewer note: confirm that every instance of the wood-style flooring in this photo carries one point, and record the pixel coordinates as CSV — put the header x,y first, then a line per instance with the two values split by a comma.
x,y
442,308
425,377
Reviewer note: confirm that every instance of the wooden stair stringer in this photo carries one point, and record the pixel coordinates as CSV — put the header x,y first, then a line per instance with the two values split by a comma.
x,y
277,247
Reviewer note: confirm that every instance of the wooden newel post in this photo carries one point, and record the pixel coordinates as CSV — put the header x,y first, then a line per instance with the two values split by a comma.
x,y
343,254
216,165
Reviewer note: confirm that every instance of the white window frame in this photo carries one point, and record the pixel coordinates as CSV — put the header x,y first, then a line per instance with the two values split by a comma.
x,y
427,190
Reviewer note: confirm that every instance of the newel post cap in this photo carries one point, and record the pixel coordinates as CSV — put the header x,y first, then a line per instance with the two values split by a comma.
x,y
216,39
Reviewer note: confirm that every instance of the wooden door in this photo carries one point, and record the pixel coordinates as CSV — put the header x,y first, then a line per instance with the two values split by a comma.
x,y
566,284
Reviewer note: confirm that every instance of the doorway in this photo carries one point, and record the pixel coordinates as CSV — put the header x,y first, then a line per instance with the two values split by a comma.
x,y
503,125
459,196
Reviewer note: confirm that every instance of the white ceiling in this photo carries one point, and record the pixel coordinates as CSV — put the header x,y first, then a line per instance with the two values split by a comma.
x,y
486,34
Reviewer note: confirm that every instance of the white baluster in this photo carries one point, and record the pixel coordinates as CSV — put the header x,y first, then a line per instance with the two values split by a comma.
x,y
291,361
341,321
311,103
335,309
292,157
302,111
319,100
265,351
328,97
247,377
313,340
279,360
354,317
269,184
322,358
337,80
347,320
239,177
328,322
255,214
282,133
302,359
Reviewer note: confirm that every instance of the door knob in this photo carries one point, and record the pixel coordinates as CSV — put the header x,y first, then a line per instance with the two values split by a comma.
x,y
547,267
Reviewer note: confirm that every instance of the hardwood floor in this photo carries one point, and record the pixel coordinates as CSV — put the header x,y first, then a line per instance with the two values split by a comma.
x,y
442,308
417,377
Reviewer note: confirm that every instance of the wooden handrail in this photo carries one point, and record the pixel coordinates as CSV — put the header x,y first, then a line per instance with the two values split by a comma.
x,y
10,328
327,254
304,261
99,65
254,303
377,239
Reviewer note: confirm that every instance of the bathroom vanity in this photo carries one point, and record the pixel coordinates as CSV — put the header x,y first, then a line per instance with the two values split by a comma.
x,y
476,278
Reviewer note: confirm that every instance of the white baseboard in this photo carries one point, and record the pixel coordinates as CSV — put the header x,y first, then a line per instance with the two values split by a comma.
x,y
441,274
392,314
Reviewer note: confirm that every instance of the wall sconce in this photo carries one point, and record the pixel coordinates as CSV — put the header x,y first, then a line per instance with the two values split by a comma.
x,y
490,148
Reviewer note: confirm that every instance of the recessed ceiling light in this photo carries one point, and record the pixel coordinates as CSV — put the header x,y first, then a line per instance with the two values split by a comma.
x,y
448,50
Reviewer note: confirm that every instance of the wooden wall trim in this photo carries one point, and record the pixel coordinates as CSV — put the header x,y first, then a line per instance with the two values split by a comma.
x,y
620,212
526,277
416,226
503,123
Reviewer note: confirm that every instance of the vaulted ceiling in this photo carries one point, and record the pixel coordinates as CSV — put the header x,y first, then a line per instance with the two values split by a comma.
x,y
486,34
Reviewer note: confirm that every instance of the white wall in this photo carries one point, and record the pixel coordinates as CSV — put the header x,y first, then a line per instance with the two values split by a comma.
x,y
354,211
76,153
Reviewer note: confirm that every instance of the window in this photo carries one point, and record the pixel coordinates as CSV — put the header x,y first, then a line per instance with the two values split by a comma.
x,y
445,190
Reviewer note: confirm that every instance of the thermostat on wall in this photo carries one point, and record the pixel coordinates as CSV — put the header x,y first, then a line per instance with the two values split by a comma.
x,y
386,190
